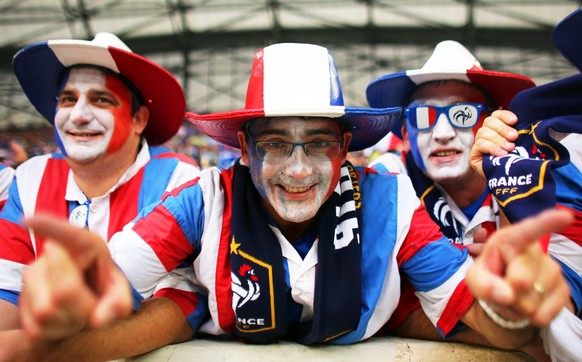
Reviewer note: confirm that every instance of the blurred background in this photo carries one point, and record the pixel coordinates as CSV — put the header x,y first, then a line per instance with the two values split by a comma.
x,y
209,45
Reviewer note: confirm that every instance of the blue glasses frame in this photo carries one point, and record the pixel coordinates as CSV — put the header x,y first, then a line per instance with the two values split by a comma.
x,y
460,115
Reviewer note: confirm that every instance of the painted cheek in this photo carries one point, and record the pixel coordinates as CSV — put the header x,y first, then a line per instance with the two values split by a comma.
x,y
335,176
121,115
60,142
413,142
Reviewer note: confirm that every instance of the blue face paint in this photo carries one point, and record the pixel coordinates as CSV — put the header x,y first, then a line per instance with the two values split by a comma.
x,y
57,137
413,140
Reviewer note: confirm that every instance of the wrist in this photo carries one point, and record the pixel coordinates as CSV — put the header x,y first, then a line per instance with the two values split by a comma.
x,y
499,320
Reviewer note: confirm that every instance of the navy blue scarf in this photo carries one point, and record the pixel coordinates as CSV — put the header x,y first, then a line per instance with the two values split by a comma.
x,y
524,182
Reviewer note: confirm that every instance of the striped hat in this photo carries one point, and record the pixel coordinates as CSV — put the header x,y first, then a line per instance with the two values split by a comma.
x,y
449,60
298,80
39,68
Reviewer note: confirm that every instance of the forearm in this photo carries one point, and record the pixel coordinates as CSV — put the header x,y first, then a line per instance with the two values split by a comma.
x,y
8,316
158,323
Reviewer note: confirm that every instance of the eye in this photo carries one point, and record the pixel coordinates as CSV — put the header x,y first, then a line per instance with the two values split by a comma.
x,y
321,144
273,145
103,100
67,100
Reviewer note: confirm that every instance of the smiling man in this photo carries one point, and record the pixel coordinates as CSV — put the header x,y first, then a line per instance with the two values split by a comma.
x,y
280,237
445,102
109,120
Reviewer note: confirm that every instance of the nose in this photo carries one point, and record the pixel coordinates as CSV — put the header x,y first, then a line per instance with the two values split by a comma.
x,y
81,112
298,164
443,131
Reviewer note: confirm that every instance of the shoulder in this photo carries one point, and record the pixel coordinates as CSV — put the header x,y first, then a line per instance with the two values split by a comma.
x,y
389,162
161,152
37,164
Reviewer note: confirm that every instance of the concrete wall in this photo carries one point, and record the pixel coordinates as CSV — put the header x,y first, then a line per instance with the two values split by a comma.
x,y
375,349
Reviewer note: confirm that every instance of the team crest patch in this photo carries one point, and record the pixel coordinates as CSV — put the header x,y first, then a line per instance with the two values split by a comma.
x,y
252,291
520,180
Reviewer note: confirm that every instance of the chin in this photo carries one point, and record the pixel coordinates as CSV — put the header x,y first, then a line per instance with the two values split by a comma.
x,y
297,217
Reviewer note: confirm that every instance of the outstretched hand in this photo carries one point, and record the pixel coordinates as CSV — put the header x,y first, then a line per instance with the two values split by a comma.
x,y
73,284
516,277
495,137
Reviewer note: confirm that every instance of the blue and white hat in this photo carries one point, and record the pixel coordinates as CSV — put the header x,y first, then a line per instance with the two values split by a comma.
x,y
301,80
39,68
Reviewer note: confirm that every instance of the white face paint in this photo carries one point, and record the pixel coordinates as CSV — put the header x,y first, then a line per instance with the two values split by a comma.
x,y
87,109
296,188
444,149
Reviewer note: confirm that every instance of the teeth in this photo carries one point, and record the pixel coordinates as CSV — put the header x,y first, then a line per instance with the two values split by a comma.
x,y
84,134
445,153
296,189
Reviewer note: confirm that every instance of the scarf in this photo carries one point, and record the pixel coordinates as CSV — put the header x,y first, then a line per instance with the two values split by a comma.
x,y
257,267
524,182
434,202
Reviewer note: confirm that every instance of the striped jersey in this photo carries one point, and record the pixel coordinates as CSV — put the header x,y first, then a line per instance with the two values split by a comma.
x,y
46,183
192,223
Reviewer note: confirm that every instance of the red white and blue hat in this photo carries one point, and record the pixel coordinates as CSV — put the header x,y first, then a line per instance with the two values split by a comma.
x,y
39,68
449,60
297,80
567,36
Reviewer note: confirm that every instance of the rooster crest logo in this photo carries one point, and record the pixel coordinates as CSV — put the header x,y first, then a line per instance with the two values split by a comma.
x,y
245,286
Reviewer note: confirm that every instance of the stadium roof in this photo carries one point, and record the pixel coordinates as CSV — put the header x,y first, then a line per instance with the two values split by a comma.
x,y
209,44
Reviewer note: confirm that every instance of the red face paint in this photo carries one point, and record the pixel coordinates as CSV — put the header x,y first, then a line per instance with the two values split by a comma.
x,y
122,113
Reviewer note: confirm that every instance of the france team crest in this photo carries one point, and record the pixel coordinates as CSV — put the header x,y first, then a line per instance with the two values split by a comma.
x,y
252,291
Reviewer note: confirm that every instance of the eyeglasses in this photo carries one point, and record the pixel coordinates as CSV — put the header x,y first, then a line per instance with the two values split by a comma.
x,y
279,151
460,115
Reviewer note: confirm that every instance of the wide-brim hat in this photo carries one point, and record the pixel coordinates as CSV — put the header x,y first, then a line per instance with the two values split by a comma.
x,y
567,37
39,68
449,60
297,80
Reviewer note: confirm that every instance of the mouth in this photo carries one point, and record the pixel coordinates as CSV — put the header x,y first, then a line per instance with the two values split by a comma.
x,y
84,134
445,153
296,190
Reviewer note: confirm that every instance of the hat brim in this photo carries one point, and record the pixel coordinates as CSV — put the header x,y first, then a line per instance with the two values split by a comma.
x,y
567,36
394,90
38,67
368,125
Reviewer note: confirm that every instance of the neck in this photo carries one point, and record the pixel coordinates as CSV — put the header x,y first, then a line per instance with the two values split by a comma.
x,y
292,231
466,192
97,177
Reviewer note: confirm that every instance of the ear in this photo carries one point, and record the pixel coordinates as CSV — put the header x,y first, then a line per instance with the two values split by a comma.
x,y
241,135
347,136
140,119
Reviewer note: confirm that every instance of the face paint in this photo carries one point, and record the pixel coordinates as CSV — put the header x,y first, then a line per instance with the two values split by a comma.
x,y
90,107
296,188
121,114
443,152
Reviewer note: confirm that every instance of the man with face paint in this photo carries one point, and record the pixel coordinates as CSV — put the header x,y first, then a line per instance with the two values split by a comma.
x,y
109,120
445,103
292,242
